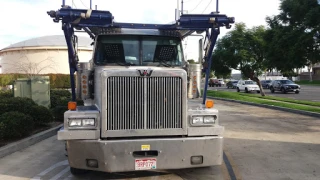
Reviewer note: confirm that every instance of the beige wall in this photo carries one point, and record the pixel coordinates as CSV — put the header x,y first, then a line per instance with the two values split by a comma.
x,y
39,61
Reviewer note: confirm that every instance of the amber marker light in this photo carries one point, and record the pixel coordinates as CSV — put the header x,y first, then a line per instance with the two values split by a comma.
x,y
72,105
209,104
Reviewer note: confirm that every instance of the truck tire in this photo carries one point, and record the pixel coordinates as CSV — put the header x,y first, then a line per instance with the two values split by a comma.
x,y
246,90
238,90
75,171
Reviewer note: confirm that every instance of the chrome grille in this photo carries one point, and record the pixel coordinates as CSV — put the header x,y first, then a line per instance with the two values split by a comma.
x,y
144,103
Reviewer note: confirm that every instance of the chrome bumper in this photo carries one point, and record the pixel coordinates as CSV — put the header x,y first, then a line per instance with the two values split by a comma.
x,y
117,155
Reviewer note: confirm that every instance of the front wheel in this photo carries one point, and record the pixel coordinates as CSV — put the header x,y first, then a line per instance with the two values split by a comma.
x,y
297,92
283,90
76,171
271,89
258,91
246,90
238,90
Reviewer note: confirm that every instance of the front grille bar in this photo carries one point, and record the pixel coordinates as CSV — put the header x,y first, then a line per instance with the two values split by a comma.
x,y
144,103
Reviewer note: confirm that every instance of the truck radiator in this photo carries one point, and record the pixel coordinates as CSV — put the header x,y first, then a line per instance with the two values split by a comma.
x,y
144,103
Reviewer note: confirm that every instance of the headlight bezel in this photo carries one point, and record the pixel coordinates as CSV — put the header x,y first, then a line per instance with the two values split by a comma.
x,y
82,126
203,123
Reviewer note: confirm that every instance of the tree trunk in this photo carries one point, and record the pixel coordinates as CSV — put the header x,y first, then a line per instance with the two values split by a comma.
x,y
310,75
259,84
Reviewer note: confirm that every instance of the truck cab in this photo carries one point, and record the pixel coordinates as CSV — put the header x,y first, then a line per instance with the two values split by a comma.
x,y
142,108
137,115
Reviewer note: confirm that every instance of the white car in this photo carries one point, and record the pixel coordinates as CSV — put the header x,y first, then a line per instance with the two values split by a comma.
x,y
247,86
220,82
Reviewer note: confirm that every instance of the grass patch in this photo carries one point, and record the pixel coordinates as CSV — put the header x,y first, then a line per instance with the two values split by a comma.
x,y
309,103
236,96
307,82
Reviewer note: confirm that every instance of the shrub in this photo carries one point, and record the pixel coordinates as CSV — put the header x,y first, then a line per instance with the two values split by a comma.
x,y
58,113
20,104
59,98
15,125
41,115
6,94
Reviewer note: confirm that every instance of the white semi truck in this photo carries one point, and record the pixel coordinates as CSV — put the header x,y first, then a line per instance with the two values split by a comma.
x,y
142,106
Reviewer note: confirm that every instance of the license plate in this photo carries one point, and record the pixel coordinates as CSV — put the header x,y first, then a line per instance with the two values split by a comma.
x,y
145,164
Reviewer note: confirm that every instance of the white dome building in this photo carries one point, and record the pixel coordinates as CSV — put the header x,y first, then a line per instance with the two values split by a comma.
x,y
42,55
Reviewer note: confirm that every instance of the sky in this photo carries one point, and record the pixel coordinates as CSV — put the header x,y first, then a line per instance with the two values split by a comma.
x,y
25,19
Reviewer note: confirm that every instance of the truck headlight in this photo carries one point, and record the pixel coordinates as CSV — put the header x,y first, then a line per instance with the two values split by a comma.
x,y
209,119
197,120
82,122
74,122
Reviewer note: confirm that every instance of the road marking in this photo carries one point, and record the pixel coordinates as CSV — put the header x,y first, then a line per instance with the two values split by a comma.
x,y
61,173
43,173
231,166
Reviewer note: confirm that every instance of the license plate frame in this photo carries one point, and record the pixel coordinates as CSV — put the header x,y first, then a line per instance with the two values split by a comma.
x,y
145,164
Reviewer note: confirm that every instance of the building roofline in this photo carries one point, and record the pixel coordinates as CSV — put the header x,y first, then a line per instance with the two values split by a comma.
x,y
43,48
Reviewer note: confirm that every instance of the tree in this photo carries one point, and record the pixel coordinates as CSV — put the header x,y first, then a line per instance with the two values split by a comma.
x,y
293,36
30,68
241,49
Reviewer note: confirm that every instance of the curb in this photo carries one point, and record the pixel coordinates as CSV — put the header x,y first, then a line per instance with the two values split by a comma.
x,y
24,143
312,114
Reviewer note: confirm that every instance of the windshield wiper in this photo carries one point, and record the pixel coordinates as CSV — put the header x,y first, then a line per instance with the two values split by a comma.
x,y
165,63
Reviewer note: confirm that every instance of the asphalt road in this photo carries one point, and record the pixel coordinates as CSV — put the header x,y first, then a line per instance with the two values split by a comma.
x,y
310,93
259,143
270,144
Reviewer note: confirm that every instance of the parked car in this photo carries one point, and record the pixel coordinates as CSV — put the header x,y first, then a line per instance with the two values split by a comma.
x,y
284,86
216,82
213,82
265,83
221,82
247,86
232,84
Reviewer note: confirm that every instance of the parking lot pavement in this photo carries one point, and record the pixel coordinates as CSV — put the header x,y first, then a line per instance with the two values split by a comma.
x,y
270,144
309,93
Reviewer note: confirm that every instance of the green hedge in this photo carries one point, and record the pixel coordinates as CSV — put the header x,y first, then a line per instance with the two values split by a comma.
x,y
6,94
41,115
58,113
15,125
56,80
59,97
20,104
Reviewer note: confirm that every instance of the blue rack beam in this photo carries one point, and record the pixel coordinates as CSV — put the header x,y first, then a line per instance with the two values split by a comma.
x,y
88,20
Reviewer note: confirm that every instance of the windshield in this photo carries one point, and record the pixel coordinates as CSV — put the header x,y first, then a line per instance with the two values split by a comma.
x,y
286,82
250,82
138,50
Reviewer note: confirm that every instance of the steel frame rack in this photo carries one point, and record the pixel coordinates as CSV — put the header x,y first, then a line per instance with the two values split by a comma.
x,y
90,20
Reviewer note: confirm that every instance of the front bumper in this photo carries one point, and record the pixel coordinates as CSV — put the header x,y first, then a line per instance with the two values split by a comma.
x,y
253,89
289,89
117,155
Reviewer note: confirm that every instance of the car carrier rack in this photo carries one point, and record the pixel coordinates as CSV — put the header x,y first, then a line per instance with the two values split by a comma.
x,y
95,22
